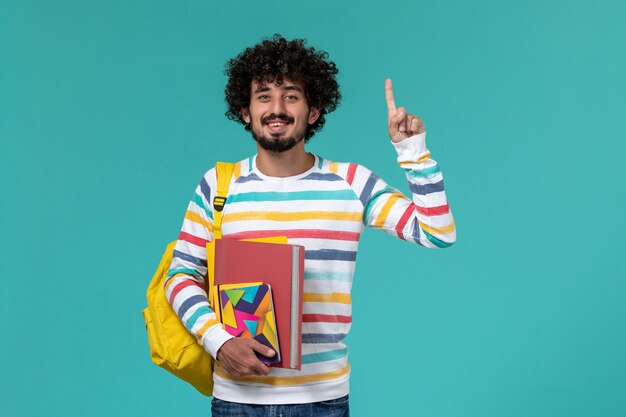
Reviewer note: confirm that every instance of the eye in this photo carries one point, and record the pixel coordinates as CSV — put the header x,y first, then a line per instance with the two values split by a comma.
x,y
291,97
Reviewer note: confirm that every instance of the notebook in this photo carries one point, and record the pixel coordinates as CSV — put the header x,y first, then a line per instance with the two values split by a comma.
x,y
281,266
247,310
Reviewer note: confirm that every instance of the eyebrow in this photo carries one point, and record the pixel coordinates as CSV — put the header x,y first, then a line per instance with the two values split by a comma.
x,y
293,87
264,87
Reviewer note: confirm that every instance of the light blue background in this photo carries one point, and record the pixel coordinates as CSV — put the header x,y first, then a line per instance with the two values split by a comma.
x,y
110,112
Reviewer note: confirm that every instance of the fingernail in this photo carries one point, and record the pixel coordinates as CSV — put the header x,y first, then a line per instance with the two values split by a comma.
x,y
270,353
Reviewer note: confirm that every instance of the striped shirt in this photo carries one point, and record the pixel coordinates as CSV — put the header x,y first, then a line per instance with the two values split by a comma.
x,y
324,209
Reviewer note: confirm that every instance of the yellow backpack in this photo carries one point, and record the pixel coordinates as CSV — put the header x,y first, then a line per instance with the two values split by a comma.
x,y
172,347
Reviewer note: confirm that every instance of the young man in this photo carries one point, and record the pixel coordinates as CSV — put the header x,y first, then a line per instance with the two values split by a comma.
x,y
281,91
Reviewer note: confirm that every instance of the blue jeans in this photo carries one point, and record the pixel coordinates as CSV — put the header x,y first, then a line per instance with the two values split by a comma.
x,y
331,408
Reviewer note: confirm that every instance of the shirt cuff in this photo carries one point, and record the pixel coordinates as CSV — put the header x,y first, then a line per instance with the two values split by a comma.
x,y
411,149
214,339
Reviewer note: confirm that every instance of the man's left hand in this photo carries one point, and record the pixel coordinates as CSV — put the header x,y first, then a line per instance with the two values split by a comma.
x,y
401,124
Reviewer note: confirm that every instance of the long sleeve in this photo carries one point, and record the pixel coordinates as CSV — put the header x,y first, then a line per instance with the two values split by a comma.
x,y
425,219
185,286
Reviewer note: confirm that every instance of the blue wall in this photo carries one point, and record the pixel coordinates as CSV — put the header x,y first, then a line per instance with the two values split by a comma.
x,y
111,111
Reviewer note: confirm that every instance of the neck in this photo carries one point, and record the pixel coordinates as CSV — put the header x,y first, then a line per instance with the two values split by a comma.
x,y
284,164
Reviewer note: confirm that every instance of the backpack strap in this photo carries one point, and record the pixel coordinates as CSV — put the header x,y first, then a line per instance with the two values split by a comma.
x,y
224,175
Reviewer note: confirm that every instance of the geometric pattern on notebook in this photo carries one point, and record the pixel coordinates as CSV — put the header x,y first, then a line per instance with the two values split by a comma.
x,y
234,296
247,312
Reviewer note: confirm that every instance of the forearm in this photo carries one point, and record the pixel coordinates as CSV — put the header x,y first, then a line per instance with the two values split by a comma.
x,y
187,296
425,217
429,221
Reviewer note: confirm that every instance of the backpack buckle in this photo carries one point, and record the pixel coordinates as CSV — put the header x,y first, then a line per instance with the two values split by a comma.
x,y
218,203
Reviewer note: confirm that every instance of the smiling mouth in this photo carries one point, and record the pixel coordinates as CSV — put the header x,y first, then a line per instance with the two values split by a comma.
x,y
277,125
277,128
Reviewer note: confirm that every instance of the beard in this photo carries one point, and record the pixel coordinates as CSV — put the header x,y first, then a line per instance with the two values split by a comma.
x,y
276,142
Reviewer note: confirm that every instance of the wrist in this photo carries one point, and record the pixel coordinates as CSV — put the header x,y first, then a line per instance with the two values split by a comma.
x,y
412,148
215,339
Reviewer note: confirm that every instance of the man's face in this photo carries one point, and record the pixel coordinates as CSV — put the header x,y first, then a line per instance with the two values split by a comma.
x,y
278,115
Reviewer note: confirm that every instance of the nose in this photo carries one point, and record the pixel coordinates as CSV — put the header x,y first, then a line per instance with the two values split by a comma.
x,y
278,106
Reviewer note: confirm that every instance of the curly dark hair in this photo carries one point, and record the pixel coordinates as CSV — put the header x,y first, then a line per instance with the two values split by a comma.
x,y
275,59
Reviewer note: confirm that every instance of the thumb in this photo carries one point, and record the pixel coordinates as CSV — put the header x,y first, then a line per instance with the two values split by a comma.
x,y
261,348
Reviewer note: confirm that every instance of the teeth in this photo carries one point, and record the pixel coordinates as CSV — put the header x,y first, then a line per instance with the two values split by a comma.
x,y
275,124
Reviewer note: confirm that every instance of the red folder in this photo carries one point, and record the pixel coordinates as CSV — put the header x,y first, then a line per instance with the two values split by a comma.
x,y
282,267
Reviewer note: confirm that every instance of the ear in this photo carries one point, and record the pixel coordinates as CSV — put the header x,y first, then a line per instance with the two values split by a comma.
x,y
314,114
245,114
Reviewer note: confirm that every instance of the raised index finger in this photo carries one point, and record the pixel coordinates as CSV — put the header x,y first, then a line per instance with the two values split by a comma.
x,y
391,103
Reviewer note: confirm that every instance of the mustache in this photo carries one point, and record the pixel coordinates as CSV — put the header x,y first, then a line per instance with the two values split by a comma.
x,y
281,117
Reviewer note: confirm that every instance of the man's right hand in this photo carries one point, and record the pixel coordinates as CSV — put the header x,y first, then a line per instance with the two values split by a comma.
x,y
238,358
